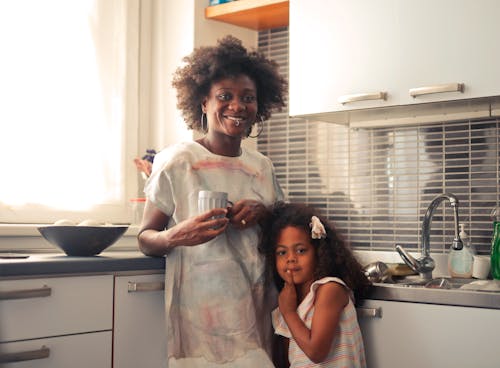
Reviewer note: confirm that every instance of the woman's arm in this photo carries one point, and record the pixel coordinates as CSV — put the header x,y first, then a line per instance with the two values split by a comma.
x,y
331,298
156,240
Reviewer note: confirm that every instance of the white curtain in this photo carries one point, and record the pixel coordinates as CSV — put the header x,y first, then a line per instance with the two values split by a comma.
x,y
69,109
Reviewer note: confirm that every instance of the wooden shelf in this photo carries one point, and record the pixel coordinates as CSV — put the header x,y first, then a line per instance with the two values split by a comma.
x,y
254,14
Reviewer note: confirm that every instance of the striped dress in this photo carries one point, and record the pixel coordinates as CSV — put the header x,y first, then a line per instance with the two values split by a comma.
x,y
347,348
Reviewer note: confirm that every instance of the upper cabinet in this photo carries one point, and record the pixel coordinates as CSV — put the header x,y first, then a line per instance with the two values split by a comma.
x,y
355,54
253,14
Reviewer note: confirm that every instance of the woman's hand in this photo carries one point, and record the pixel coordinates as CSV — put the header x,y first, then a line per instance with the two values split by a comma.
x,y
199,229
155,240
246,213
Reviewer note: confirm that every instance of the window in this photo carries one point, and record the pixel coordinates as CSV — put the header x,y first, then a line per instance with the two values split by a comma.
x,y
68,92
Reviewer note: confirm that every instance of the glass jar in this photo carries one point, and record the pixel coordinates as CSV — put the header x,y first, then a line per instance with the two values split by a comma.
x,y
137,207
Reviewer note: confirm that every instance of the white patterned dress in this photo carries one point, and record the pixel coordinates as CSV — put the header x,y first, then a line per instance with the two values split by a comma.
x,y
347,348
214,292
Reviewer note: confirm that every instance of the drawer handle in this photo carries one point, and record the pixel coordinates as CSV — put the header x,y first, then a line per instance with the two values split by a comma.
x,y
23,356
369,312
362,97
438,88
134,287
25,294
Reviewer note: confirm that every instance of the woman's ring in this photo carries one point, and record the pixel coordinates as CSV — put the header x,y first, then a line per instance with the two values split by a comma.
x,y
243,222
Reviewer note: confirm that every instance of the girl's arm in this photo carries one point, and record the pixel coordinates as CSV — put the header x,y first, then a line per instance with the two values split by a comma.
x,y
331,298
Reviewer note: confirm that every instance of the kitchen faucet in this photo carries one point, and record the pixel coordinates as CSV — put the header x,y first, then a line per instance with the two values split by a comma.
x,y
425,264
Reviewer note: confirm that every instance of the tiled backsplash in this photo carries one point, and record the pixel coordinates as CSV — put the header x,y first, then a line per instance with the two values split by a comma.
x,y
376,184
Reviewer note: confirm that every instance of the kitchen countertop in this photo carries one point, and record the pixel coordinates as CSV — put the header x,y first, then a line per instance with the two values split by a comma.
x,y
133,261
59,263
457,297
401,293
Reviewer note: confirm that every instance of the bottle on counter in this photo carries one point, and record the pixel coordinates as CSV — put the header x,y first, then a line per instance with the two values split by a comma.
x,y
495,252
460,262
495,243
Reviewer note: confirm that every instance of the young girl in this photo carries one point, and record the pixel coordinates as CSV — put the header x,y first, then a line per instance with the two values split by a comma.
x,y
318,277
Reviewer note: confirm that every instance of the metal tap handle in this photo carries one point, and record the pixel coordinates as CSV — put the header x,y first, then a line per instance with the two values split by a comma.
x,y
409,260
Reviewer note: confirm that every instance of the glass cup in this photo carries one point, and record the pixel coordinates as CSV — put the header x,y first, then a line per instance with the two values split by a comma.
x,y
208,200
481,267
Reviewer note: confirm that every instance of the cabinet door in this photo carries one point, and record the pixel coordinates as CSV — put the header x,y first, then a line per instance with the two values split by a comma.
x,y
414,335
44,307
139,330
340,48
450,41
75,351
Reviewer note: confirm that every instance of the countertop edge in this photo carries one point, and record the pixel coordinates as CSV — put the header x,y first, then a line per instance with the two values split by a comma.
x,y
60,264
462,298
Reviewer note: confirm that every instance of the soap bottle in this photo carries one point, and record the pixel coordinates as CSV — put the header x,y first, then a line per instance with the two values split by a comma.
x,y
460,261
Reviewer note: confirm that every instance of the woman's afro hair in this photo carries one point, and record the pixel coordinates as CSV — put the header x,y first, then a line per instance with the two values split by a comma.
x,y
208,64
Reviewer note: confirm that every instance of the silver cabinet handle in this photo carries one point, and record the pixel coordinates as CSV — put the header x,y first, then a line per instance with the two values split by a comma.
x,y
369,312
22,356
362,97
25,294
438,88
145,286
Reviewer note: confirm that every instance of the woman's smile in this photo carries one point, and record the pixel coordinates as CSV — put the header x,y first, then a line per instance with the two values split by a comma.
x,y
231,105
237,120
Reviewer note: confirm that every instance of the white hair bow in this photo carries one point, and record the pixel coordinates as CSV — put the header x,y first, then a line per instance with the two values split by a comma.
x,y
317,229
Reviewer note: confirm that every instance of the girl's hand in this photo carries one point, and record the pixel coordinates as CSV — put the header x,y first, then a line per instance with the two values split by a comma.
x,y
287,299
246,213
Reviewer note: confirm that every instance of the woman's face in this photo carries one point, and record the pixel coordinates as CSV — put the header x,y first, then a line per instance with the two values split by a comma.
x,y
296,254
231,105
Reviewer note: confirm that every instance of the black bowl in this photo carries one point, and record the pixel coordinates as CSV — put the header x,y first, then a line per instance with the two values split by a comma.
x,y
82,240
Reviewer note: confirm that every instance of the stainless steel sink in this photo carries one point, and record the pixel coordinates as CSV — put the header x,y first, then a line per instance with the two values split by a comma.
x,y
435,283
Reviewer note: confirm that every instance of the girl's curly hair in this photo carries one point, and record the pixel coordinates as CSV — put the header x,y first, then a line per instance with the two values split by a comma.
x,y
333,256
208,64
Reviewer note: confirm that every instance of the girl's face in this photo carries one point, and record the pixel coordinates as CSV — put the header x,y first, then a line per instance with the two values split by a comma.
x,y
231,105
295,253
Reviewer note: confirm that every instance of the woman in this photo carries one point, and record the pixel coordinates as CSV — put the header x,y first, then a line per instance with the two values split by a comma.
x,y
214,283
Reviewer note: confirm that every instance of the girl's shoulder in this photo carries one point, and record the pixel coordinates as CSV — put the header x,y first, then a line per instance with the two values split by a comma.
x,y
325,280
330,285
329,288
332,292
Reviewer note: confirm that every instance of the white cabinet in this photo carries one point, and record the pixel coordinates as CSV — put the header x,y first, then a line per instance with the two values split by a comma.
x,y
56,322
139,330
355,49
75,351
414,335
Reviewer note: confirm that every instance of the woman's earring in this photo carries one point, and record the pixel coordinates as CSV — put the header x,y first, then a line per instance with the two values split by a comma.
x,y
261,128
203,122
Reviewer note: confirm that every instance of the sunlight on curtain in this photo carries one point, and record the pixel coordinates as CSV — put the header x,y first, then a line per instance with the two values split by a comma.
x,y
62,92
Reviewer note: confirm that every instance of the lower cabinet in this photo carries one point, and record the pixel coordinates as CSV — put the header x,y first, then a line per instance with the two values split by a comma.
x,y
74,351
414,335
139,338
56,322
